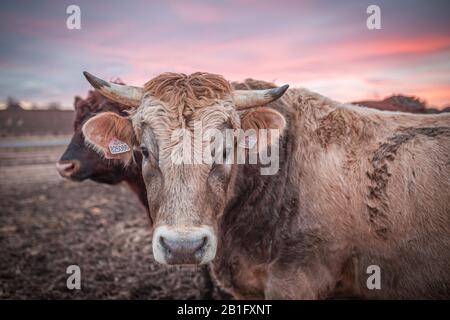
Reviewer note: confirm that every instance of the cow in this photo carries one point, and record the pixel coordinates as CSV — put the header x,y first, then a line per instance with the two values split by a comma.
x,y
355,188
79,162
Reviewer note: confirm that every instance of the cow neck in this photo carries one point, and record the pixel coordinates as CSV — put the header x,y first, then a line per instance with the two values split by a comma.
x,y
252,216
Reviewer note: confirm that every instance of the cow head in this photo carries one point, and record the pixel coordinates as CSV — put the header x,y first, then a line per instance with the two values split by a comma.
x,y
79,162
187,197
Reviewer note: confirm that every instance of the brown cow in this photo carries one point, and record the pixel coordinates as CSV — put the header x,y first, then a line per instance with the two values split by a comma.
x,y
79,162
355,187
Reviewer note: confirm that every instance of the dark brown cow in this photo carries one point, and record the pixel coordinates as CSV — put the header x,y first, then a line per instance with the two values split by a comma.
x,y
356,188
80,162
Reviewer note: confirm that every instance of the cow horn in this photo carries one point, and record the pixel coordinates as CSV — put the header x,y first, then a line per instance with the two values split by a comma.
x,y
244,99
126,95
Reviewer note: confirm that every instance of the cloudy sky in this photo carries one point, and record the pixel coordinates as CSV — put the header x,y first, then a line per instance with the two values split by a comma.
x,y
322,45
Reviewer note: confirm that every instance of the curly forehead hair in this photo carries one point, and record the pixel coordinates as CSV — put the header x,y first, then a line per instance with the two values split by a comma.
x,y
192,91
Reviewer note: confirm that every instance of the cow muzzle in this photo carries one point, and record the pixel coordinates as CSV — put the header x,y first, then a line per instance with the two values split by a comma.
x,y
196,245
67,168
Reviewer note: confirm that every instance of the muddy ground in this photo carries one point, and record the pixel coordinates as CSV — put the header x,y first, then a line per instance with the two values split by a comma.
x,y
47,224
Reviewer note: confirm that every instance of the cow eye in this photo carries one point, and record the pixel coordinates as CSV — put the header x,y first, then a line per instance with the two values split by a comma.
x,y
144,151
225,153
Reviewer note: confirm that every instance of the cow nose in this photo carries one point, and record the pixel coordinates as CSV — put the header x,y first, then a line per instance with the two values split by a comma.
x,y
187,248
66,168
183,251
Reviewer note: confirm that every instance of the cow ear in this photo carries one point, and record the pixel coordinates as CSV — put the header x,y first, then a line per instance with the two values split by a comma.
x,y
262,120
78,102
110,135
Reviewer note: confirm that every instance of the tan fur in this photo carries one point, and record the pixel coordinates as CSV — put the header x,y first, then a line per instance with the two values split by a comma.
x,y
377,186
185,93
172,102
189,195
356,187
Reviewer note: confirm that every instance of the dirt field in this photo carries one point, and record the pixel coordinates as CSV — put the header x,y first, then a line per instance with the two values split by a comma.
x,y
35,122
47,224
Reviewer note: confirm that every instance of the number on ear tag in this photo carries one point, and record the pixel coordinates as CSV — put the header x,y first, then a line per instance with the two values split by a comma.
x,y
117,147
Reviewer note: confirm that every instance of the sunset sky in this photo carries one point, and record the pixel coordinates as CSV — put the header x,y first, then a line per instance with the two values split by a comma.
x,y
321,45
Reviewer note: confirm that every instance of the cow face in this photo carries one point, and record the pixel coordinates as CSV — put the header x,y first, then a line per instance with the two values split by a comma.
x,y
79,162
187,193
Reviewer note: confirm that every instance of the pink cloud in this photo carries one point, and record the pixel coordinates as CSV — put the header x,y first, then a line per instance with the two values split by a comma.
x,y
305,52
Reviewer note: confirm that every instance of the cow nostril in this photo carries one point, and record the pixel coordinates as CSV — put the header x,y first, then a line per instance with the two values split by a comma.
x,y
202,244
164,244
